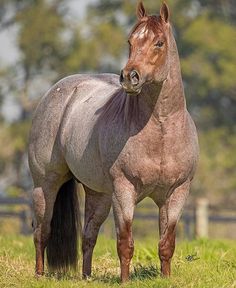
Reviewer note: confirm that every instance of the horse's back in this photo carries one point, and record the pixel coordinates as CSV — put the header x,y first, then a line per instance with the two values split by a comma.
x,y
56,99
52,113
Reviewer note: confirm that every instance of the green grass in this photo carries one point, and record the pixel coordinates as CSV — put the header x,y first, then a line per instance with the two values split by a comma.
x,y
202,263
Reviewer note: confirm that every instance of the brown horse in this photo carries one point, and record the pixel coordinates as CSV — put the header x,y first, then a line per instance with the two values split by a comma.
x,y
121,143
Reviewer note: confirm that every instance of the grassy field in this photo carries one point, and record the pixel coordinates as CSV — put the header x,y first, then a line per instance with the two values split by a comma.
x,y
202,263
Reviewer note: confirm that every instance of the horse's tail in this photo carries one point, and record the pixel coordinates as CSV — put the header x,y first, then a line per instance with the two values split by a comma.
x,y
62,246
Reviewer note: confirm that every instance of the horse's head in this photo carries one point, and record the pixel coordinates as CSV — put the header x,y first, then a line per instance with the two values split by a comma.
x,y
148,55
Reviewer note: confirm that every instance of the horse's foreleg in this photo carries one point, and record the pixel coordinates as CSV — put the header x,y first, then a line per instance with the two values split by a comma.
x,y
170,213
97,208
167,241
123,207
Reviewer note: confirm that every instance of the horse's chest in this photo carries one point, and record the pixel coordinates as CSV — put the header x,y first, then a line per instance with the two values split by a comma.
x,y
159,163
153,171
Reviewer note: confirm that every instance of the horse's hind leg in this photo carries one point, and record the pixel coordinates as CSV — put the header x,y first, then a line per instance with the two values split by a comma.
x,y
97,207
170,213
39,209
43,201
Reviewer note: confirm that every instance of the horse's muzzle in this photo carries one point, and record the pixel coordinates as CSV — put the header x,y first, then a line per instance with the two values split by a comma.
x,y
130,81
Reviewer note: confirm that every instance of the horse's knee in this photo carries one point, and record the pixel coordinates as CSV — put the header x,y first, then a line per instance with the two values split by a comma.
x,y
125,246
125,249
166,248
167,243
125,243
166,251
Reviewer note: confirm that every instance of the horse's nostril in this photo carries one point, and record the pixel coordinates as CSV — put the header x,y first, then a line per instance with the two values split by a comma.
x,y
131,78
121,76
134,77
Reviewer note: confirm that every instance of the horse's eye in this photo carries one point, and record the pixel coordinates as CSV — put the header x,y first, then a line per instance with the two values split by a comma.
x,y
159,44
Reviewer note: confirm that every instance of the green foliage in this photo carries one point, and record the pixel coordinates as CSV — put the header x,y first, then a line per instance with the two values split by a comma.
x,y
90,54
39,37
213,265
211,57
13,139
98,44
216,173
208,66
14,191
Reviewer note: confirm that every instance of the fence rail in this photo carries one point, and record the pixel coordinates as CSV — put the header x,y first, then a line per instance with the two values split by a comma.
x,y
23,215
198,216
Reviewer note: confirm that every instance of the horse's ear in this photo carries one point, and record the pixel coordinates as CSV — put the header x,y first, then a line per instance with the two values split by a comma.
x,y
141,12
165,12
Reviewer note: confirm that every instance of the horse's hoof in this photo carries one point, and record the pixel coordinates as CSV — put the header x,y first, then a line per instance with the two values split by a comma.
x,y
38,275
86,277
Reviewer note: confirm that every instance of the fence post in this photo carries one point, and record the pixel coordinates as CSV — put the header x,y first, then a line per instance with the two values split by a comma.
x,y
202,217
187,224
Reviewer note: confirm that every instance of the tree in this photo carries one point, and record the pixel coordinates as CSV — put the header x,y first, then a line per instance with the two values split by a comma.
x,y
208,66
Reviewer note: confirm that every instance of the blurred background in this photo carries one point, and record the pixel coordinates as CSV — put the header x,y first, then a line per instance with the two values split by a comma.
x,y
42,41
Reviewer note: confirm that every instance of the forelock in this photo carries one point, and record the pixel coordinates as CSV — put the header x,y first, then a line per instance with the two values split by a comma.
x,y
151,23
154,24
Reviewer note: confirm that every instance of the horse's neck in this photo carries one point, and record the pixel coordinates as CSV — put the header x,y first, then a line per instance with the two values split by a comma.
x,y
167,98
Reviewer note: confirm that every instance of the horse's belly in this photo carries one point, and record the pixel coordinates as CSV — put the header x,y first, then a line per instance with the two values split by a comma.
x,y
92,177
83,160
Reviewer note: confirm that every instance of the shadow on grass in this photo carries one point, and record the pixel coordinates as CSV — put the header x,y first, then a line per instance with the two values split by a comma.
x,y
145,272
140,273
73,276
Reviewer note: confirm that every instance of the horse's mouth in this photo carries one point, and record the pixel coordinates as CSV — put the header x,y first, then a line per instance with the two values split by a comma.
x,y
133,91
